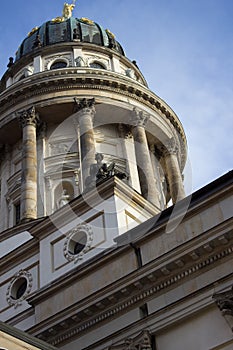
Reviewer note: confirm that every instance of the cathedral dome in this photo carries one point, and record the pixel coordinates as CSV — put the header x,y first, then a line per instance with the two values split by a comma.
x,y
68,30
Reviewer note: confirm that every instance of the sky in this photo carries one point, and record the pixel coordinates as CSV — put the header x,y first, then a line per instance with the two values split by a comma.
x,y
184,48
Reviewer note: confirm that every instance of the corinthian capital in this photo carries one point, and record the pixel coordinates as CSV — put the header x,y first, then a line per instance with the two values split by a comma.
x,y
85,105
139,118
170,147
225,301
28,117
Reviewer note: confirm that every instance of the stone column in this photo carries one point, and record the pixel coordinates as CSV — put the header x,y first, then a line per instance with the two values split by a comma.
x,y
174,177
84,117
129,154
41,189
154,162
145,169
29,120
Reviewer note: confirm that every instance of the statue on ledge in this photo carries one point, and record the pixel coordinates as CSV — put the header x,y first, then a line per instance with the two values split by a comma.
x,y
101,171
64,199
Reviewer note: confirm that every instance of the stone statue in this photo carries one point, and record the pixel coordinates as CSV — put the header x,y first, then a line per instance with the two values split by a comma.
x,y
76,34
64,199
101,171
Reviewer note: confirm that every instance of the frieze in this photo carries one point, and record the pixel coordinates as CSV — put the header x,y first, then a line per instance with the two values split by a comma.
x,y
97,83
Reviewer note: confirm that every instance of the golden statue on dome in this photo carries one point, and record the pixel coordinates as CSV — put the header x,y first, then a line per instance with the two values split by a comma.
x,y
67,9
66,12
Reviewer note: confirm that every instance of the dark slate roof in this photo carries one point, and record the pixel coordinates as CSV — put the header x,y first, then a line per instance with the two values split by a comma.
x,y
70,30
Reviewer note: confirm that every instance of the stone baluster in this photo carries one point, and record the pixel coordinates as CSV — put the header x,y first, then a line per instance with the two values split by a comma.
x,y
145,169
174,177
85,111
29,120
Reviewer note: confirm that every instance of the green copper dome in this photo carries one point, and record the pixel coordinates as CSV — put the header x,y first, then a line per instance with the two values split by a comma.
x,y
69,30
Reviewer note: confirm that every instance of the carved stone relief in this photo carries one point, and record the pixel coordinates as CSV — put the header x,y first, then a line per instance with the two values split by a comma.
x,y
140,342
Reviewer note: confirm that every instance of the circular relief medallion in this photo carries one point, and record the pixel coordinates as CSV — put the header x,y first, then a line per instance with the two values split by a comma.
x,y
19,288
78,242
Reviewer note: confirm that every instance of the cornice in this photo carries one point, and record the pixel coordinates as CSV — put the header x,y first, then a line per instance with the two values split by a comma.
x,y
26,250
105,190
72,79
136,289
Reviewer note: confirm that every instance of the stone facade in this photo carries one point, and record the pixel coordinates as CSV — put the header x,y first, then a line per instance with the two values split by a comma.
x,y
93,254
162,277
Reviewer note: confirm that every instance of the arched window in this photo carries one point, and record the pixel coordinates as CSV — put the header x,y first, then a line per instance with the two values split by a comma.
x,y
96,65
58,65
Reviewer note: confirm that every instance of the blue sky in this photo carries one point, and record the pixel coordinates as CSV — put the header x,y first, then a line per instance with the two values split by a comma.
x,y
184,48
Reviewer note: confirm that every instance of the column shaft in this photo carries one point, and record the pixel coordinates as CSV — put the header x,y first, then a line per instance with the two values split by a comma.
x,y
85,115
145,169
29,120
174,175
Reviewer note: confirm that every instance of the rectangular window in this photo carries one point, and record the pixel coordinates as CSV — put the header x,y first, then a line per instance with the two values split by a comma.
x,y
17,213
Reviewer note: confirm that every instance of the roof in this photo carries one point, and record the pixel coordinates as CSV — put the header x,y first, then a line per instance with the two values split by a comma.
x,y
67,30
14,333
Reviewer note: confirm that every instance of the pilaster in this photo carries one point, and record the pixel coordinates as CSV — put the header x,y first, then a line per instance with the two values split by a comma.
x,y
224,301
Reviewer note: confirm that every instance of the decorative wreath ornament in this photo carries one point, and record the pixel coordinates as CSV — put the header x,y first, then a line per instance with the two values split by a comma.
x,y
78,242
19,288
